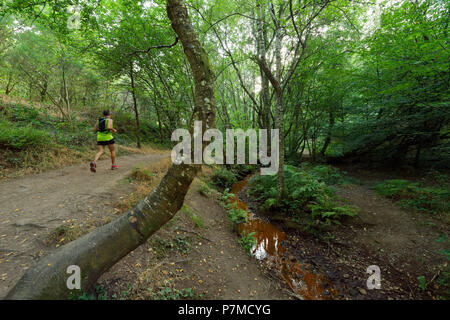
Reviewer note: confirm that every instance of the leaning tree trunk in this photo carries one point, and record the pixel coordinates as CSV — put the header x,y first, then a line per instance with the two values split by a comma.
x,y
97,251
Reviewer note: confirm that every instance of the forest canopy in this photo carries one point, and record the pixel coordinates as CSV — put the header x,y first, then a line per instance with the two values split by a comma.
x,y
365,81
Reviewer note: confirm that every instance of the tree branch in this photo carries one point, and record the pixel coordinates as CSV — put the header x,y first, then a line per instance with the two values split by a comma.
x,y
162,46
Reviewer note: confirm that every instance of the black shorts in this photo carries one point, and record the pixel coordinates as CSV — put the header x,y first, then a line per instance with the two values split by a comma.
x,y
105,143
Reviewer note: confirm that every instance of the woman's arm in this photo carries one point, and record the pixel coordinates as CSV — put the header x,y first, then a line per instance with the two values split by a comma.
x,y
110,126
95,127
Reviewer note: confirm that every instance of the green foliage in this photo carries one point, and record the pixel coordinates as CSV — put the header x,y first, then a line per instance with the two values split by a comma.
x,y
422,282
191,214
83,296
247,241
307,200
413,195
204,190
243,170
323,173
21,138
237,215
226,196
301,188
325,210
162,247
100,293
444,278
182,245
224,178
174,294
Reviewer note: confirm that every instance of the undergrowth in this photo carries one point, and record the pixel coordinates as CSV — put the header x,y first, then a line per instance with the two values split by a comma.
x,y
307,201
414,195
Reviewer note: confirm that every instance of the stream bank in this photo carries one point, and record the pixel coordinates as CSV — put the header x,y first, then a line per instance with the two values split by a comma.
x,y
401,242
306,281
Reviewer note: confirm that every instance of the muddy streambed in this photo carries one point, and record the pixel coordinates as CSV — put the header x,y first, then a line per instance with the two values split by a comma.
x,y
300,277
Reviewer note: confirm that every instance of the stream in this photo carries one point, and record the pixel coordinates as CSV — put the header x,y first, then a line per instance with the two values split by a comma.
x,y
269,249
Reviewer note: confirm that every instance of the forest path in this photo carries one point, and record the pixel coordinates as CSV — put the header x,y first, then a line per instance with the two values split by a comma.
x,y
32,206
401,241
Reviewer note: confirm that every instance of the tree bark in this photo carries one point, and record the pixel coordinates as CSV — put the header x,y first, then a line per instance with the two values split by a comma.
x,y
136,111
97,251
10,85
328,138
261,49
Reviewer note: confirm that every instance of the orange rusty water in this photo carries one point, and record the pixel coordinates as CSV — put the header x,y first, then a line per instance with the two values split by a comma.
x,y
268,245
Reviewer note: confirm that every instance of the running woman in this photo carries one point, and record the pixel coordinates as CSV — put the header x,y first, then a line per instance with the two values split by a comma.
x,y
104,129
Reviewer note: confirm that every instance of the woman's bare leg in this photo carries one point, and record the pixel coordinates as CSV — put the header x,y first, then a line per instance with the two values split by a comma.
x,y
101,149
112,148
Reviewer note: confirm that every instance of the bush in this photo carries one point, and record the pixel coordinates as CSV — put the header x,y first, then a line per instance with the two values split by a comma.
x,y
235,214
224,178
307,200
413,195
323,173
328,213
301,188
247,241
23,137
24,114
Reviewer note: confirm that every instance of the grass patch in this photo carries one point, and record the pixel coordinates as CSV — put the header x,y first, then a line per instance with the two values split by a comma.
x,y
413,195
194,217
204,190
175,294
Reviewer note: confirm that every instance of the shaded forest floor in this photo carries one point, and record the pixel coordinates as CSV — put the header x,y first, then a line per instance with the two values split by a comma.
x,y
403,243
197,254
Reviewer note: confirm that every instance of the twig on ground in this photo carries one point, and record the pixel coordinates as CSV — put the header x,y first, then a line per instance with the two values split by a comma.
x,y
196,233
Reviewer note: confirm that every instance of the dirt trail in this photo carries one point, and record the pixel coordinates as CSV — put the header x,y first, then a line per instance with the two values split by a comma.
x,y
401,242
32,206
